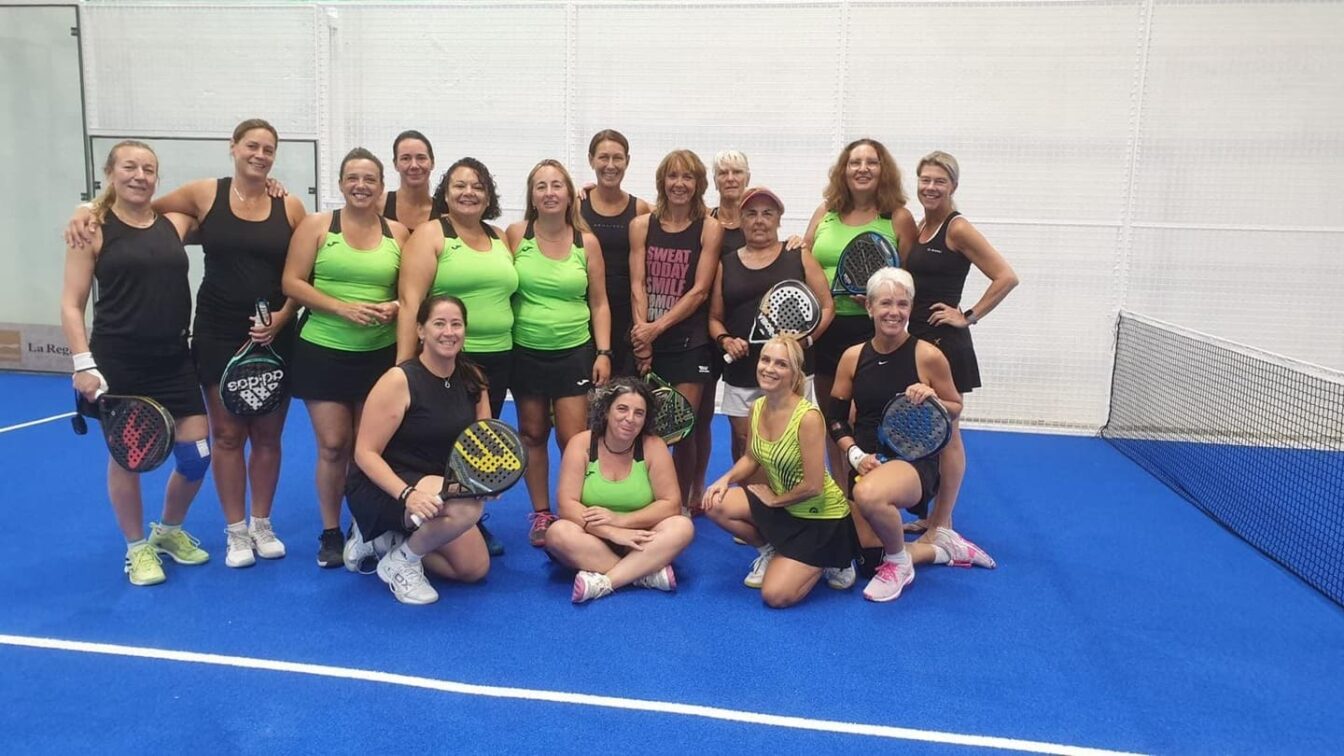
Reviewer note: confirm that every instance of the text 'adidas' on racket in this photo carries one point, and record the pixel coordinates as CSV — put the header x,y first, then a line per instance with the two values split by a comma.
x,y
255,381
914,431
673,416
487,459
138,430
789,308
865,255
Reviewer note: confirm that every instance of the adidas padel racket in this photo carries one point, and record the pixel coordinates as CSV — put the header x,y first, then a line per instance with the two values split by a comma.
x,y
255,381
138,430
865,255
789,308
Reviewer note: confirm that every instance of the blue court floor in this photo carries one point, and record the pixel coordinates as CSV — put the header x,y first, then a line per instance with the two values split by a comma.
x,y
1120,618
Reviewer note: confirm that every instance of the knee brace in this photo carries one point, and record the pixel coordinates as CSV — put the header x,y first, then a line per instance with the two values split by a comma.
x,y
192,458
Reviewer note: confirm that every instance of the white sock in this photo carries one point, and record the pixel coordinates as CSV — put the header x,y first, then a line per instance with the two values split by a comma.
x,y
404,552
239,527
132,545
940,555
164,527
265,521
900,557
765,549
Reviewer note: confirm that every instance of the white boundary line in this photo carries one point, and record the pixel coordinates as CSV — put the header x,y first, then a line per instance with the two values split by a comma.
x,y
560,697
15,427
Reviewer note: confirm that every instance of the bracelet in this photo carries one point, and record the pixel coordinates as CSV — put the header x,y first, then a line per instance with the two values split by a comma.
x,y
84,361
405,494
852,452
604,353
719,339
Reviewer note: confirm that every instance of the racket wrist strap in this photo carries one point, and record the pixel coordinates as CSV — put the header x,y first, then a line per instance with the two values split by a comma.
x,y
84,361
855,455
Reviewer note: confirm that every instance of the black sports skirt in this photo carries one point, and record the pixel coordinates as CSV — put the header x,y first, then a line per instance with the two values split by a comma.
x,y
958,348
168,379
820,543
213,353
375,511
552,373
334,375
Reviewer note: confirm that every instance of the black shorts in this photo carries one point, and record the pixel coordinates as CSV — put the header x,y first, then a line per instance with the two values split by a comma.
x,y
333,375
844,332
622,354
929,480
168,379
373,510
553,373
685,366
958,348
212,353
498,369
820,543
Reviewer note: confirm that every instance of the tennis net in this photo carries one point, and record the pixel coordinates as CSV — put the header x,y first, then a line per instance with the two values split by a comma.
x,y
1253,439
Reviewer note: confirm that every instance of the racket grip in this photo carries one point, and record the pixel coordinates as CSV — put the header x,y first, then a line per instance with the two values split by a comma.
x,y
415,518
727,358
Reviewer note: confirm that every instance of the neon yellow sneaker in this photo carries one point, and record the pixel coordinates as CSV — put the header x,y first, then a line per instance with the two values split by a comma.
x,y
178,544
143,565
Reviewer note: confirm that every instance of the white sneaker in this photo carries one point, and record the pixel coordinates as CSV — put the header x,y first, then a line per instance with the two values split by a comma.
x,y
264,540
662,580
756,577
963,552
406,579
890,580
358,552
239,550
589,586
840,578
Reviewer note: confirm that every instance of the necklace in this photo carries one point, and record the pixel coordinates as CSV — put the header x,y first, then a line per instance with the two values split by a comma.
x,y
627,449
239,194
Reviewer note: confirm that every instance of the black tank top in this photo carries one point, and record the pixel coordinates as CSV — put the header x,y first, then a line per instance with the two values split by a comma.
x,y
613,233
733,238
390,208
743,288
669,272
939,273
144,299
878,378
243,263
438,412
450,232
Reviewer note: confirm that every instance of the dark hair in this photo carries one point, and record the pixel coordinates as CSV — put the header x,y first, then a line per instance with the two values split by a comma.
x,y
607,135
411,134
359,153
253,123
607,395
468,371
482,173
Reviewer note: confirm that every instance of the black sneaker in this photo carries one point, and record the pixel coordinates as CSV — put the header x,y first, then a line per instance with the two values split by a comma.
x,y
330,545
492,544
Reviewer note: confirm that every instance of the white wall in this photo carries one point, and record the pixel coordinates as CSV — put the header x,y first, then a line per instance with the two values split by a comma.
x,y
1183,159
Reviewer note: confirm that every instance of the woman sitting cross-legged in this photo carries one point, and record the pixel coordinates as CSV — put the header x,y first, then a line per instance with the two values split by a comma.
x,y
618,500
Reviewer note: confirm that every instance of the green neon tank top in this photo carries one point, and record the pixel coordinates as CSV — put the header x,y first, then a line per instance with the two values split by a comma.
x,y
830,240
630,494
353,275
782,460
485,282
550,309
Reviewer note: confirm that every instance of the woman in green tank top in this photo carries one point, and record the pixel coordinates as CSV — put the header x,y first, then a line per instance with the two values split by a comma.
x,y
561,326
799,521
620,509
342,267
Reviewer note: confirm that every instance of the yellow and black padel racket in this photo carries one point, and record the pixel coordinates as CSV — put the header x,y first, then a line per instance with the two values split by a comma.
x,y
488,458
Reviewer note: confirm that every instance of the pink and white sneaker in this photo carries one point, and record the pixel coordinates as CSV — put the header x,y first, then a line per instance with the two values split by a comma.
x,y
963,552
589,586
890,580
662,580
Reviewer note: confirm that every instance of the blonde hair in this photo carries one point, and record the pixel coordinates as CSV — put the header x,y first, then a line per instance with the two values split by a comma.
x,y
104,201
894,277
572,216
794,353
890,194
947,163
684,160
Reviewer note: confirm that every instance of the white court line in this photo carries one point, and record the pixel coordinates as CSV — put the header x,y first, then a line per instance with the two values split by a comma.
x,y
61,416
560,697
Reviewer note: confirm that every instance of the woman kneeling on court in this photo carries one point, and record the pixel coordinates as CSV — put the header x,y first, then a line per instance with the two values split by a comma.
x,y
800,521
412,417
870,375
618,500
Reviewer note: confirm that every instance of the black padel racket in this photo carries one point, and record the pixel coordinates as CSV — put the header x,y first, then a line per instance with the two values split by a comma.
x,y
865,255
138,430
255,382
673,416
914,431
789,308
487,459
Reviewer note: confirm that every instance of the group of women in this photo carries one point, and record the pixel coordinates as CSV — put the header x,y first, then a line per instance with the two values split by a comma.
x,y
418,315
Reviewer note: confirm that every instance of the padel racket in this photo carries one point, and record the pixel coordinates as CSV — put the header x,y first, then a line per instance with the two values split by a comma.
x,y
673,415
789,308
487,459
865,255
914,431
255,382
138,430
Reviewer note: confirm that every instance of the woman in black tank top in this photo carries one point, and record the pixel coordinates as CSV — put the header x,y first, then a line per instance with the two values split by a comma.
x,y
139,345
413,159
674,253
608,210
412,417
867,377
745,274
948,245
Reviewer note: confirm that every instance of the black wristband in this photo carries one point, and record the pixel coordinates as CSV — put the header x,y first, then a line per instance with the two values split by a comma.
x,y
604,353
719,339
405,494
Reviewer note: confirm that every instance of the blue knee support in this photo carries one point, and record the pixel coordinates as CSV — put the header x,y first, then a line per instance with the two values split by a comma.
x,y
193,458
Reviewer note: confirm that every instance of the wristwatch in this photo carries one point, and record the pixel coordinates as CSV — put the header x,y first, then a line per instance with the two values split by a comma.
x,y
969,313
